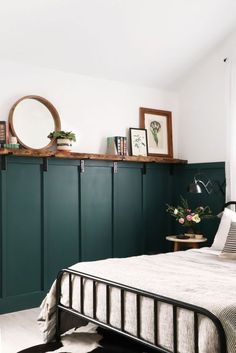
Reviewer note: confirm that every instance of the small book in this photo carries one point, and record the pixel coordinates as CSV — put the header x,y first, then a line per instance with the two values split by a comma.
x,y
111,146
11,145
122,145
118,144
125,150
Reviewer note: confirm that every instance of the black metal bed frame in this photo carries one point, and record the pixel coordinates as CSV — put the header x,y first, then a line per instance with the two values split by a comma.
x,y
139,294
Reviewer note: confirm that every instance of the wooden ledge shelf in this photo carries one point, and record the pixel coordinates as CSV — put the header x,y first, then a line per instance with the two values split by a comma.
x,y
75,155
109,157
27,153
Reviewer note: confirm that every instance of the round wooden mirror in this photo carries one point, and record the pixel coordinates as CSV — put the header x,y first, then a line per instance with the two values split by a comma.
x,y
31,119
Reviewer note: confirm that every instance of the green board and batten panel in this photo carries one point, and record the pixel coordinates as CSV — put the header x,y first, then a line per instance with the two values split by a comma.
x,y
61,195
23,228
96,210
158,182
128,216
21,216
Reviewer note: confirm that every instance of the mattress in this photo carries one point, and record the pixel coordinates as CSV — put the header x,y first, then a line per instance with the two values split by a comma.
x,y
198,277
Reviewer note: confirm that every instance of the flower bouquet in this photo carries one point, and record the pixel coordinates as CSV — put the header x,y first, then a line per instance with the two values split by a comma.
x,y
188,217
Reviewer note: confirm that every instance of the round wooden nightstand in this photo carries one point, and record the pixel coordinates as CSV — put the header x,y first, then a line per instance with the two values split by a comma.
x,y
190,243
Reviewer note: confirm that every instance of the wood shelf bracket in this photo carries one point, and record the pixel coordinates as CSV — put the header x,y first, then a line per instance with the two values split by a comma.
x,y
3,162
45,164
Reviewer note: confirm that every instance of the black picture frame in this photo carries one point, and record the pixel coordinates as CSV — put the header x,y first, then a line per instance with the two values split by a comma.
x,y
138,142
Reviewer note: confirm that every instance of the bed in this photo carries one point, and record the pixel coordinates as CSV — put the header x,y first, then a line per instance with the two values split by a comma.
x,y
176,302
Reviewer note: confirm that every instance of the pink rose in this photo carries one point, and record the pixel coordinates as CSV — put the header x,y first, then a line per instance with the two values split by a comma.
x,y
188,210
181,220
189,217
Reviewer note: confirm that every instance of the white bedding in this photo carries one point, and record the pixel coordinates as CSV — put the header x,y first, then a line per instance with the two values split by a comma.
x,y
197,277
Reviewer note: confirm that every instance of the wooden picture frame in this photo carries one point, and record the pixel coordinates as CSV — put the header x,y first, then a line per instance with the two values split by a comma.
x,y
138,142
158,124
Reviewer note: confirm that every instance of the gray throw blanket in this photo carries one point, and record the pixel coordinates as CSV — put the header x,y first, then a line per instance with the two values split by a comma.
x,y
198,277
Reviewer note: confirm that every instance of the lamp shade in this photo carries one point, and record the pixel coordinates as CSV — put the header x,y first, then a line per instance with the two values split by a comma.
x,y
195,187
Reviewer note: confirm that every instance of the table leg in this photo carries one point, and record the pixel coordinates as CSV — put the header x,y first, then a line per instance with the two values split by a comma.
x,y
195,245
177,246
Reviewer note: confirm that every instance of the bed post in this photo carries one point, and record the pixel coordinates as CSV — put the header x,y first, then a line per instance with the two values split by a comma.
x,y
58,311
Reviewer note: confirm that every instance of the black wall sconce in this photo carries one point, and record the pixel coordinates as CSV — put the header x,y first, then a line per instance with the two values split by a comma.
x,y
198,186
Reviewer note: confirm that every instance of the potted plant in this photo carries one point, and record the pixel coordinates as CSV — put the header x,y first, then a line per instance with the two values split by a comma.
x,y
188,217
64,139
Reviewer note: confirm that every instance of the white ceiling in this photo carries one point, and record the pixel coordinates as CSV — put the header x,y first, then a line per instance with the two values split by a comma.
x,y
147,42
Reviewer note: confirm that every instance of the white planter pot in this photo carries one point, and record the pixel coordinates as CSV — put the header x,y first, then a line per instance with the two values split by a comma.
x,y
64,144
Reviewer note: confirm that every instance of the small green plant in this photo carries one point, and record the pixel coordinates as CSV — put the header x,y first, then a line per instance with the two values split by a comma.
x,y
62,135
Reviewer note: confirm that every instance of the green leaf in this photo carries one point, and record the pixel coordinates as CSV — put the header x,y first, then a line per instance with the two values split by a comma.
x,y
62,135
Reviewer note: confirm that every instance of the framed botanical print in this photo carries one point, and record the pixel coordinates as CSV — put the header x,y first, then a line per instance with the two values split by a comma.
x,y
158,124
138,142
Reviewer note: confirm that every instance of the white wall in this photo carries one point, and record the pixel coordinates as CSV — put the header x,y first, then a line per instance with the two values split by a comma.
x,y
93,108
203,108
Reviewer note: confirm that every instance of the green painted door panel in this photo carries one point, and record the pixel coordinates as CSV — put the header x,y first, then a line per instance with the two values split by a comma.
x,y
23,228
157,192
128,213
96,213
61,218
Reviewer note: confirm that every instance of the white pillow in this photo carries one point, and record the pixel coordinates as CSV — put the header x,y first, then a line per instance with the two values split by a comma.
x,y
229,251
223,230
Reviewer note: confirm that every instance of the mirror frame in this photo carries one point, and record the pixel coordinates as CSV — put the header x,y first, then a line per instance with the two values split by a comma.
x,y
51,108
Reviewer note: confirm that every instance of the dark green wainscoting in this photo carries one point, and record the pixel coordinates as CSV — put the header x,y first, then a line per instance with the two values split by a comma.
x,y
56,212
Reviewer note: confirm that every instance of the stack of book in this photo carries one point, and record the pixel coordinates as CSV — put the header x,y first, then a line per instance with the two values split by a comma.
x,y
117,145
11,145
5,140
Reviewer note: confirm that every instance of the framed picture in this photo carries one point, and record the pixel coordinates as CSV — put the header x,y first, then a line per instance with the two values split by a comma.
x,y
158,124
138,142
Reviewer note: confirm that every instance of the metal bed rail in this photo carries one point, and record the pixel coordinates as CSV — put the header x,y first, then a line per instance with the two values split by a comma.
x,y
139,294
